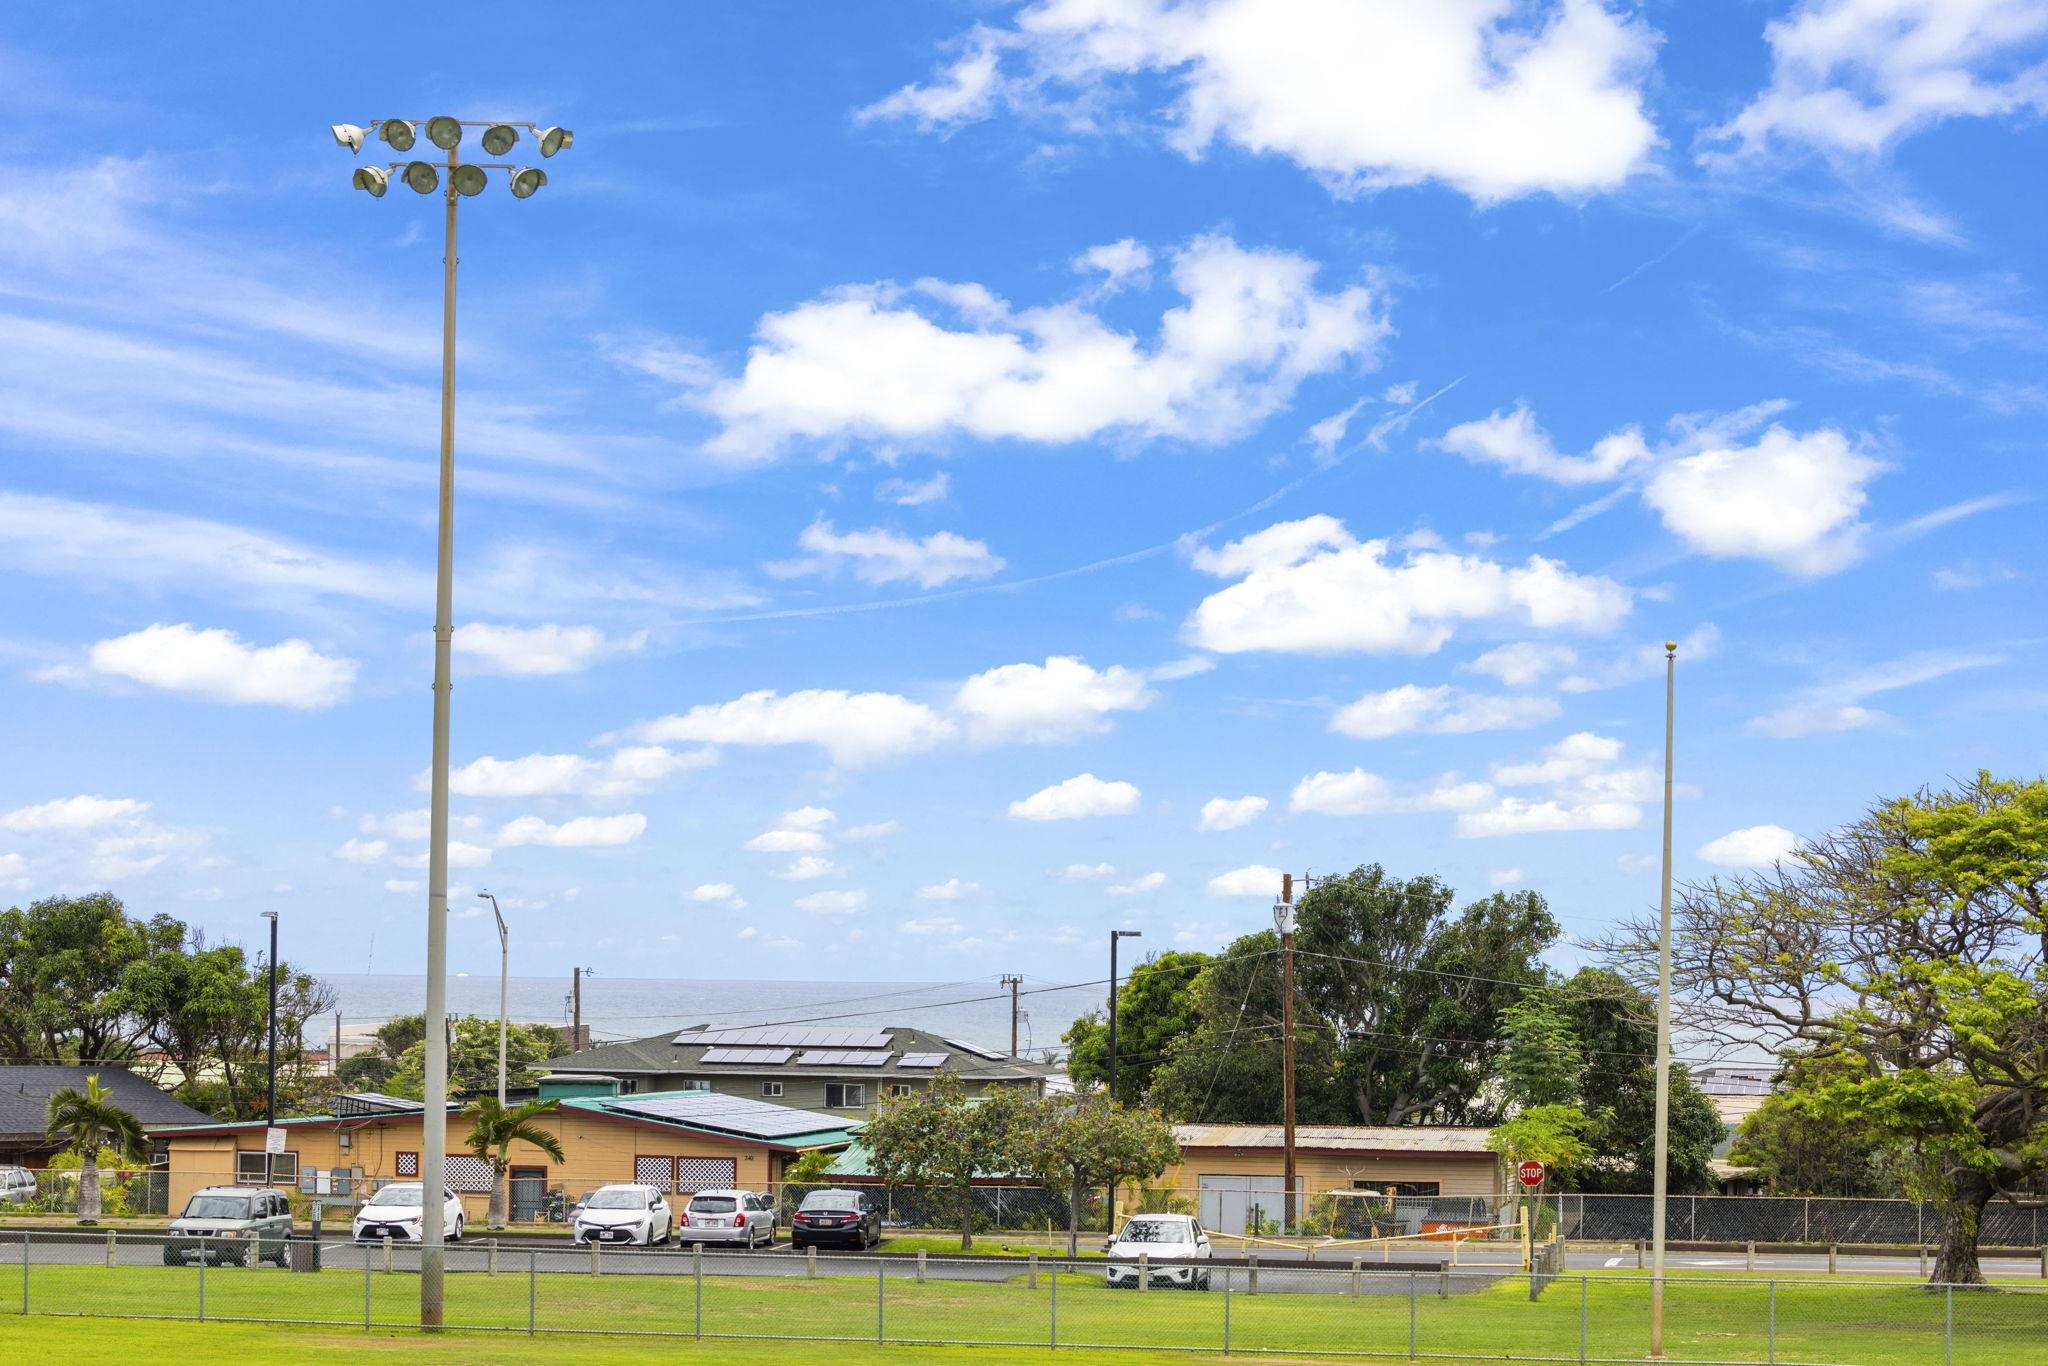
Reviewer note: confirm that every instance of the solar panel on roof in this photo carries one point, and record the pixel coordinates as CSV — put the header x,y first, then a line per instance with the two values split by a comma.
x,y
978,1051
922,1059
784,1036
776,1056
841,1057
730,1114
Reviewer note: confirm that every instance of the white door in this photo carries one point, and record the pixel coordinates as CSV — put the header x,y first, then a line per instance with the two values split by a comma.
x,y
1230,1204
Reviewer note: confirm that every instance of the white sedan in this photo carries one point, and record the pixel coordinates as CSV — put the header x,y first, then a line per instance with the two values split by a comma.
x,y
624,1214
1173,1245
395,1213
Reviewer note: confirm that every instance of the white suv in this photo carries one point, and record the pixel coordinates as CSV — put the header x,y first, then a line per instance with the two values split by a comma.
x,y
1172,1244
624,1213
744,1217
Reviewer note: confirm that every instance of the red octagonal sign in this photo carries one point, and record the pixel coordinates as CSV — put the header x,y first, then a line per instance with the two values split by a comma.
x,y
1530,1173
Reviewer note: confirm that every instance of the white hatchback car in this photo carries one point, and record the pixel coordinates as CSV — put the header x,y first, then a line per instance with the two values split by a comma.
x,y
1173,1245
395,1212
624,1213
743,1217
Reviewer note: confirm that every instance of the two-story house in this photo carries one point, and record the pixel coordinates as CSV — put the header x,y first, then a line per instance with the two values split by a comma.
x,y
830,1070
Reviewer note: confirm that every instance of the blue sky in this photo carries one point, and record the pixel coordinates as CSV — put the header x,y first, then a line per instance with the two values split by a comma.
x,y
938,482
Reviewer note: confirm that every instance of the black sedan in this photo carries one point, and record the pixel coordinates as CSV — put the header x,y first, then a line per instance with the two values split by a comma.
x,y
835,1219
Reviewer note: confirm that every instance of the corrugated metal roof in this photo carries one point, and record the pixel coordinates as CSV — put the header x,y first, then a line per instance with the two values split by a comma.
x,y
1408,1138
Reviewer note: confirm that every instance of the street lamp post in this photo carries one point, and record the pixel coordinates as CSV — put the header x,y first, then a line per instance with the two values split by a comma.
x,y
464,179
1283,921
1115,935
1660,1180
504,979
270,1103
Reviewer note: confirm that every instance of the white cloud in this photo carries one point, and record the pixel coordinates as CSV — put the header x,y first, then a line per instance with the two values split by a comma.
x,y
1254,879
952,889
1588,785
937,924
1524,662
1514,442
1120,263
1791,500
539,650
411,825
1636,865
1639,662
1193,666
1038,703
1410,709
856,729
833,903
1504,877
627,771
1078,797
216,666
363,851
1230,813
874,830
1138,886
748,932
583,832
13,872
1359,793
1527,816
1853,77
930,361
807,868
785,842
1308,587
807,818
718,894
1494,99
73,814
1815,718
1756,846
1836,705
877,556
400,885
1087,872
906,493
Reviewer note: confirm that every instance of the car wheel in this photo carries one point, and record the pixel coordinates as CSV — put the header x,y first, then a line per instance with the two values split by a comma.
x,y
173,1257
250,1255
458,1228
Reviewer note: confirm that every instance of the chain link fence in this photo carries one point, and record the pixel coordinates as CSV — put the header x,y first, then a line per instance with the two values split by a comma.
x,y
1231,1306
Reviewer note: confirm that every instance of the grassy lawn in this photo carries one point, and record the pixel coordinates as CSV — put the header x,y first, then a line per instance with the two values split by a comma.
x,y
1868,1325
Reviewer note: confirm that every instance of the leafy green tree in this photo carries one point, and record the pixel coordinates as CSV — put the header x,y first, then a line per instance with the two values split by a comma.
x,y
942,1139
1414,990
1542,1064
62,963
493,1130
85,1122
1551,1134
473,1058
1913,945
1088,1140
1798,1145
1227,1069
1154,1007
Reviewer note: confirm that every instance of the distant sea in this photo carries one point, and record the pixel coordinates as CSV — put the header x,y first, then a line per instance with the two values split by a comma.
x,y
632,1007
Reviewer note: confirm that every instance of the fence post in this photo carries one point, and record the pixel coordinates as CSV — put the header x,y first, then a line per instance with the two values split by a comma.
x,y
811,1263
1031,1270
1833,1250
26,1236
881,1294
596,1252
202,1280
366,1291
1144,1271
1750,1254
491,1258
1053,1331
110,1249
1582,1318
920,1266
1771,1330
1411,1316
1251,1276
1639,1254
2044,1262
1922,1250
697,1274
387,1254
1806,1219
1357,1277
1948,1325
1226,1313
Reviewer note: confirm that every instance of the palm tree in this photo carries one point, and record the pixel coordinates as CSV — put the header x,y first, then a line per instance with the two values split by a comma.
x,y
86,1121
493,1130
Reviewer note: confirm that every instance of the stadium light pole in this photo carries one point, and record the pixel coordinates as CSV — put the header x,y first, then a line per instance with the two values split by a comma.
x,y
504,980
1283,921
1115,935
464,180
270,1100
1660,1179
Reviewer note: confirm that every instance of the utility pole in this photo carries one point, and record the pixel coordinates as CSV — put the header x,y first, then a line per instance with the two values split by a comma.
x,y
1115,935
576,1004
1660,1179
1283,921
1013,982
270,1104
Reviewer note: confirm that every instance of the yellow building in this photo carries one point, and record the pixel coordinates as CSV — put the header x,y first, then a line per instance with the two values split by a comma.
x,y
1234,1172
681,1142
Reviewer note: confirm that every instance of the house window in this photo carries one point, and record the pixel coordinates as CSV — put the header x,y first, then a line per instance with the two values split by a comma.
x,y
694,1084
897,1088
1404,1189
845,1095
408,1164
284,1168
628,1086
771,1089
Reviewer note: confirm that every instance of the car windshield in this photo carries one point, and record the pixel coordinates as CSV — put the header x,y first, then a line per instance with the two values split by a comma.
x,y
616,1200
713,1204
847,1203
217,1207
1154,1231
397,1195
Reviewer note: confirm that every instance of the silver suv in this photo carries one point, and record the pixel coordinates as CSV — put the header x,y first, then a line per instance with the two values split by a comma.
x,y
17,1185
237,1224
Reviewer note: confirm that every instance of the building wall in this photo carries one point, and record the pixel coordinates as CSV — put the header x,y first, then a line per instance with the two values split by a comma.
x,y
599,1149
1456,1174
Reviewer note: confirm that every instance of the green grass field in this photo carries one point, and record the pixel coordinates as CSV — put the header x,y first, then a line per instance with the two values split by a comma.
x,y
1863,1324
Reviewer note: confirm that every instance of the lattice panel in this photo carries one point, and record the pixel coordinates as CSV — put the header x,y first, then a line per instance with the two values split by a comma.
x,y
467,1172
659,1172
705,1174
408,1164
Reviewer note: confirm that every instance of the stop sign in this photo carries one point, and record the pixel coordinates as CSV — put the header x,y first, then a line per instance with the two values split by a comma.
x,y
1530,1173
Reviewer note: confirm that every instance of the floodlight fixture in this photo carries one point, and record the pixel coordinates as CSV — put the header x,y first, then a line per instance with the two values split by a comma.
x,y
397,132
422,176
553,140
444,132
499,137
349,136
526,180
468,180
375,179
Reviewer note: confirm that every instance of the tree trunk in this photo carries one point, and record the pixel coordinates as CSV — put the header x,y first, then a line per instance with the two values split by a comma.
x,y
967,1218
89,1187
1074,1198
1960,1219
500,1193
